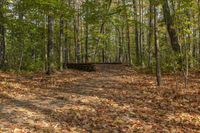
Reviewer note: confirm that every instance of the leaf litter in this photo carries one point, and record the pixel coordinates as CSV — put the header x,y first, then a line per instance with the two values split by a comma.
x,y
117,100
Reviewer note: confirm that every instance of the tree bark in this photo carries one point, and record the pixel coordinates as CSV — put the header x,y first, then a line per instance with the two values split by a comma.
x,y
2,37
170,26
149,41
199,29
77,37
86,42
61,43
136,33
157,52
50,45
66,45
127,34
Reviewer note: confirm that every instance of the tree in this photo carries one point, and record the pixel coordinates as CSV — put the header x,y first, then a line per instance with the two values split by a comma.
x,y
2,34
50,45
127,33
61,42
170,26
97,31
150,33
136,33
157,52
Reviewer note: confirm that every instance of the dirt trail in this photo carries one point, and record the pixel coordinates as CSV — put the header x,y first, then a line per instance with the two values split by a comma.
x,y
113,99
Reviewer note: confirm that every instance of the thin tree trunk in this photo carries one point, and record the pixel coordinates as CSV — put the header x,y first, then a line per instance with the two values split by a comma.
x,y
66,46
75,39
127,34
21,41
2,45
157,52
78,45
123,41
2,36
199,29
136,32
120,47
150,34
45,44
50,45
187,49
61,43
140,32
86,42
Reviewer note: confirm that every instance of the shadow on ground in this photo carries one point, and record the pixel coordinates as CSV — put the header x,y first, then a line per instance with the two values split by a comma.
x,y
109,100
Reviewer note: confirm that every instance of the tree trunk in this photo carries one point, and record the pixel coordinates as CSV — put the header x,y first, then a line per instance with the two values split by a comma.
x,y
21,42
66,46
136,33
120,47
61,43
199,29
157,52
127,34
2,45
86,42
150,34
78,45
50,45
2,37
170,27
141,32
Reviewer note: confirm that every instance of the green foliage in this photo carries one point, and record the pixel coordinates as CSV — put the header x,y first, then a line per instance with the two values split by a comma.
x,y
27,28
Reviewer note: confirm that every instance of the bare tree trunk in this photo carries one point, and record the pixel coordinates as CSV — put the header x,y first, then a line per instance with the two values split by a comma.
x,y
104,49
86,41
150,34
66,46
157,52
123,41
2,45
120,47
61,43
45,44
75,39
141,32
187,67
2,37
171,30
21,41
127,34
50,45
136,32
128,43
78,45
199,29
82,46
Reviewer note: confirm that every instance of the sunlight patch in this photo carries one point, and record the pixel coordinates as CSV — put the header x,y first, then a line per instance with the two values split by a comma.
x,y
185,118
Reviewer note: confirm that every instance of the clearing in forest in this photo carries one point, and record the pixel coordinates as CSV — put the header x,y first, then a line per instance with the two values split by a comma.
x,y
113,99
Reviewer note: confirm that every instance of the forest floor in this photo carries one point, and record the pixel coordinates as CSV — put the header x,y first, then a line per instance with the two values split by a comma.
x,y
114,99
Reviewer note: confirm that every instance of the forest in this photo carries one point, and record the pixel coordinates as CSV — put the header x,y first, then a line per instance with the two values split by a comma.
x,y
99,66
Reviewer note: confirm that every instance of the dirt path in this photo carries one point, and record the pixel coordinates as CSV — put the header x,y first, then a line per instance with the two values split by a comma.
x,y
113,99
